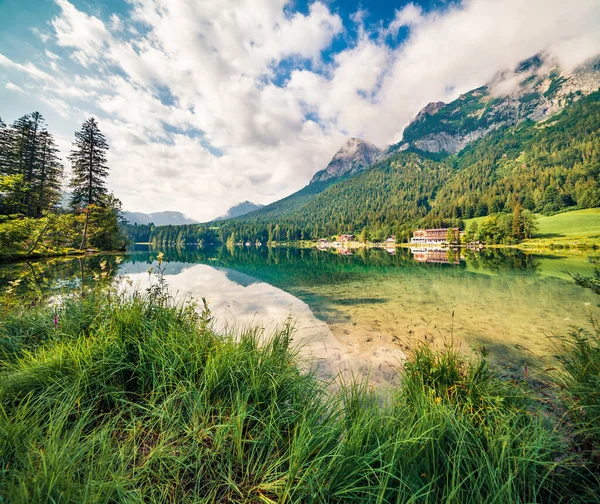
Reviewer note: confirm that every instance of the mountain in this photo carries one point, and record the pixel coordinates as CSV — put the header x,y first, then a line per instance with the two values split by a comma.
x,y
533,91
354,156
158,218
240,209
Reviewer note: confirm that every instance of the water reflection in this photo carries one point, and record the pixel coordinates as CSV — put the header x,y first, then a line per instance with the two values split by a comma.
x,y
377,303
361,311
437,255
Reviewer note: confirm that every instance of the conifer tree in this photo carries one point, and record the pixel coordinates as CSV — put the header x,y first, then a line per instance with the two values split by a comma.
x,y
27,151
90,169
5,148
50,174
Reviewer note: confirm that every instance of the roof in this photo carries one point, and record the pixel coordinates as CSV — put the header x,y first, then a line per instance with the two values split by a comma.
x,y
438,229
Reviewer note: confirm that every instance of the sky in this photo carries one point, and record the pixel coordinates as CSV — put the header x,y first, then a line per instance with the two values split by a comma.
x,y
209,103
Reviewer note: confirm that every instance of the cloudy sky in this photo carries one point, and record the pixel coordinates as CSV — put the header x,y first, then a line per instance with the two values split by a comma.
x,y
208,103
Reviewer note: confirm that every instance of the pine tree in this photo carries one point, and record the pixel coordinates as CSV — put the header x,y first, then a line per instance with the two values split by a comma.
x,y
50,174
90,169
363,235
518,230
32,160
5,148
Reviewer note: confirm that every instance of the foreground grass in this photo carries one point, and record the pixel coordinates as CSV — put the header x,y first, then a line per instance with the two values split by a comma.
x,y
136,399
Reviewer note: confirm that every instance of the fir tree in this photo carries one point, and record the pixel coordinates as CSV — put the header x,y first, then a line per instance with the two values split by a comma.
x,y
50,174
90,169
5,148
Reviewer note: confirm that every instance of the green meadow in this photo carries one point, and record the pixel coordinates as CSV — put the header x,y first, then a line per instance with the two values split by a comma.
x,y
577,228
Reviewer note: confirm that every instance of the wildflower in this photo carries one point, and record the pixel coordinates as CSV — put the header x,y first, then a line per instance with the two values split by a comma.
x,y
119,260
438,400
159,257
55,321
103,265
150,270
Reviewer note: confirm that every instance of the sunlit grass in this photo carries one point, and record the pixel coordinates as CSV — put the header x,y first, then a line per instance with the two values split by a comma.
x,y
134,398
573,229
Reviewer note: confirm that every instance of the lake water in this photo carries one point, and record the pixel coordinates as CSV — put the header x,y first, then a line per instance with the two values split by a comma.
x,y
361,312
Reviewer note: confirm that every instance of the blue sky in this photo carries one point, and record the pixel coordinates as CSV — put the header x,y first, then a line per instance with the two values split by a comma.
x,y
206,103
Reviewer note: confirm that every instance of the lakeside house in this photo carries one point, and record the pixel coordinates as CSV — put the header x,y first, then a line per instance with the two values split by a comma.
x,y
436,236
391,239
345,238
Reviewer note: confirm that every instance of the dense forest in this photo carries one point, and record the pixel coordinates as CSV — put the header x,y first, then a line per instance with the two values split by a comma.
x,y
533,167
33,219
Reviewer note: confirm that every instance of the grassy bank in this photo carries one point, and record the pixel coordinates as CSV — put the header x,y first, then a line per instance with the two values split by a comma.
x,y
40,254
116,398
574,229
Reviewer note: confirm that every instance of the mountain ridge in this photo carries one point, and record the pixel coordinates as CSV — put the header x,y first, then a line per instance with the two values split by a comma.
x,y
165,218
238,210
534,90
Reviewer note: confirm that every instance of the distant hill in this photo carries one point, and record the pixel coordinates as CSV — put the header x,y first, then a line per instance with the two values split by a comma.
x,y
240,209
158,218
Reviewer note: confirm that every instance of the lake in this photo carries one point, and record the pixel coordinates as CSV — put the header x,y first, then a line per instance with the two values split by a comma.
x,y
359,311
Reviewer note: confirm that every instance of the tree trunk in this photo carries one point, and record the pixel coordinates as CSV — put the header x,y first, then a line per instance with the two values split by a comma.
x,y
42,183
85,227
90,169
39,237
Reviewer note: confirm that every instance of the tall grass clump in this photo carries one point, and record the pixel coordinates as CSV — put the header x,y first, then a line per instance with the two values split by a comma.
x,y
135,398
580,380
579,353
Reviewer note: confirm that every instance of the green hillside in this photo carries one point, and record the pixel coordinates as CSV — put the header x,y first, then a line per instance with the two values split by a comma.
x,y
572,228
577,223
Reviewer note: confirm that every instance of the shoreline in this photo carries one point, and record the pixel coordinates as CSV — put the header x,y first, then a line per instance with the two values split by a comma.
x,y
8,258
529,246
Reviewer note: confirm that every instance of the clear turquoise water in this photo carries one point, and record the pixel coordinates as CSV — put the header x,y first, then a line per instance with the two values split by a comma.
x,y
365,309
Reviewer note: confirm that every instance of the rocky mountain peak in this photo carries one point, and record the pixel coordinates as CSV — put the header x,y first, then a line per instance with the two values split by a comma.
x,y
534,90
354,156
430,109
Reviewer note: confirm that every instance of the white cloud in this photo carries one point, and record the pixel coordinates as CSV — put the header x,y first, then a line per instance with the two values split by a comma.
x,y
13,87
52,56
449,53
115,23
410,15
44,37
75,29
173,82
